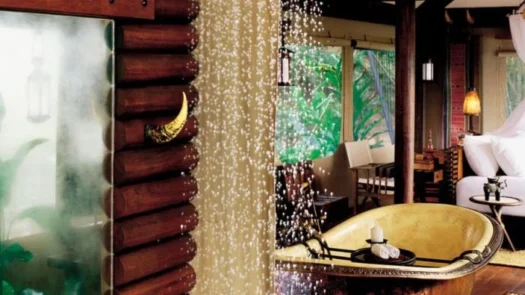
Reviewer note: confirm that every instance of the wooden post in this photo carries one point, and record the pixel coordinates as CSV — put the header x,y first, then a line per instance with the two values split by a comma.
x,y
405,100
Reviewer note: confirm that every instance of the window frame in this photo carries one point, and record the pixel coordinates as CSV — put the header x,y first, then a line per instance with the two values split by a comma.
x,y
346,101
347,76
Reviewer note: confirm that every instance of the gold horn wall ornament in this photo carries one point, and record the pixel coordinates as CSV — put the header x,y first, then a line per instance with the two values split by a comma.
x,y
168,132
448,19
469,17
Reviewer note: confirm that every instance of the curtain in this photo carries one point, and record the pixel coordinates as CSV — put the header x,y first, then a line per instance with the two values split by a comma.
x,y
493,89
517,29
515,124
238,87
516,121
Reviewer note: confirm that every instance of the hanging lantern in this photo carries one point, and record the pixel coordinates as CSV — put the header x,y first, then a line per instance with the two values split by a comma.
x,y
428,71
38,93
285,60
38,83
285,56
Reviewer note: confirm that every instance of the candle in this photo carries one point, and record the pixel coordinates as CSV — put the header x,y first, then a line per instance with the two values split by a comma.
x,y
376,234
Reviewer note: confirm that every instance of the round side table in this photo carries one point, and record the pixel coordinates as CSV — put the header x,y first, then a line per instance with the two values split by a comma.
x,y
496,206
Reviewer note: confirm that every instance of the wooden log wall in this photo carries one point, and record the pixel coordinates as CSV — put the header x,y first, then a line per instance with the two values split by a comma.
x,y
152,213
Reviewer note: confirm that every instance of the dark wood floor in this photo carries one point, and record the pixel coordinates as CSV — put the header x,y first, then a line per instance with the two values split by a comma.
x,y
499,280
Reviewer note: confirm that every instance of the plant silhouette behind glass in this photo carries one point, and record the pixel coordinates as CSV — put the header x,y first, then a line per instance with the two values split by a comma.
x,y
52,220
11,251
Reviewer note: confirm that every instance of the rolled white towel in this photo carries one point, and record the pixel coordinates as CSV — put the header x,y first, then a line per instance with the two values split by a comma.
x,y
380,251
393,252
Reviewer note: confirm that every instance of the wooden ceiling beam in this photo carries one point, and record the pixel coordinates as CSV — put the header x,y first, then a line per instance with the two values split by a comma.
x,y
367,11
431,4
137,9
374,11
505,35
495,17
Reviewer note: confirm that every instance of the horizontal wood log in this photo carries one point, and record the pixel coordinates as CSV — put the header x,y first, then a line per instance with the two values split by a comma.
x,y
175,38
181,10
155,99
174,282
142,67
107,164
127,8
144,229
151,260
130,134
144,197
136,165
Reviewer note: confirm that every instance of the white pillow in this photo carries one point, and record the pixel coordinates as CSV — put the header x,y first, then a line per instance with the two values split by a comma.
x,y
510,154
480,157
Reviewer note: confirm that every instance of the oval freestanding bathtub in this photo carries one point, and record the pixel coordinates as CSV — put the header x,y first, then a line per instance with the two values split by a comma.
x,y
443,233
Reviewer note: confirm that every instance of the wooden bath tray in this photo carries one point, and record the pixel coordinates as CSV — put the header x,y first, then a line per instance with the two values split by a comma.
x,y
364,255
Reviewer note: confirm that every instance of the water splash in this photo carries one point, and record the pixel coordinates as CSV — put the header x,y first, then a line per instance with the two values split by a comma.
x,y
238,53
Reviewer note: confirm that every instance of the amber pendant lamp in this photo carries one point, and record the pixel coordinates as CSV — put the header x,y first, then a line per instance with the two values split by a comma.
x,y
471,107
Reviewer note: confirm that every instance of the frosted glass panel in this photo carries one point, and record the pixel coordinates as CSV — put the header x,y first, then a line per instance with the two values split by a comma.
x,y
56,76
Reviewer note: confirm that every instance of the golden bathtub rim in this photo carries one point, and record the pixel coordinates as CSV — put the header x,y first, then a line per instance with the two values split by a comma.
x,y
454,270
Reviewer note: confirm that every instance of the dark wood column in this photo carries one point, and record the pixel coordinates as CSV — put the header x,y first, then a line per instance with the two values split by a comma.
x,y
405,99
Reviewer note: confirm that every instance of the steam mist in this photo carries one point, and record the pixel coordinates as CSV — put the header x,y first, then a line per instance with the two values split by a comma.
x,y
56,97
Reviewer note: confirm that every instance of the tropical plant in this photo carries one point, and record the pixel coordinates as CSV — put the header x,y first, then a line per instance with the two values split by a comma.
x,y
11,252
58,223
373,95
52,220
308,124
515,71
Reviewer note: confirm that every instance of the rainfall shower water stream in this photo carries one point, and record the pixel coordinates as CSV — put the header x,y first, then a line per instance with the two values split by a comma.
x,y
238,53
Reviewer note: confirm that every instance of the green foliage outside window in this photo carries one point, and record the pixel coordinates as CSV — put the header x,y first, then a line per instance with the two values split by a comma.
x,y
374,96
309,113
515,84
